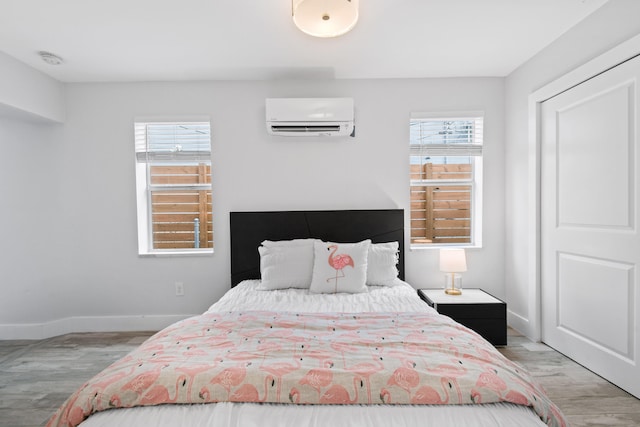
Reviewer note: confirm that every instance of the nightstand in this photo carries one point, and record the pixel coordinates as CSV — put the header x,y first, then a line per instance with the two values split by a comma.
x,y
475,309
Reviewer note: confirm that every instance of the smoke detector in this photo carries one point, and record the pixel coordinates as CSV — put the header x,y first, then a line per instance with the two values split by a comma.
x,y
50,58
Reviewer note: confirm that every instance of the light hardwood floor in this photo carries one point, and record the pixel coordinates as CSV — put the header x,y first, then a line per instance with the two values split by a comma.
x,y
37,376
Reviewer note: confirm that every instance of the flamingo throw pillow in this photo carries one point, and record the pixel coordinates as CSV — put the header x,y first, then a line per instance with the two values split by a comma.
x,y
339,267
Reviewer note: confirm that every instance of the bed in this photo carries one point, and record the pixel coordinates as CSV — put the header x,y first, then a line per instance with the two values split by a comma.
x,y
318,328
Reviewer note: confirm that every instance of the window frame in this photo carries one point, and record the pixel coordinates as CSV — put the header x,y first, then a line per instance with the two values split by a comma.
x,y
473,150
145,189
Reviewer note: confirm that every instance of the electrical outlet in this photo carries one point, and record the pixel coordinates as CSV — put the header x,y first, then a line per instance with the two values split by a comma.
x,y
179,289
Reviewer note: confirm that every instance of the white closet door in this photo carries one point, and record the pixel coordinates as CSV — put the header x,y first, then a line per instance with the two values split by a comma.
x,y
590,241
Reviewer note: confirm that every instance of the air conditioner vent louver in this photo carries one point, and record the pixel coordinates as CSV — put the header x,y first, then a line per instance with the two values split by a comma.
x,y
306,128
310,116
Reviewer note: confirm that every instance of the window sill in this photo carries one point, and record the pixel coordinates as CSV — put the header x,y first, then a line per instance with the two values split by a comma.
x,y
442,246
176,253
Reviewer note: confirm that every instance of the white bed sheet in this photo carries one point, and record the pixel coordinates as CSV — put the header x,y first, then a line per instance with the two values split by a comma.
x,y
268,415
245,296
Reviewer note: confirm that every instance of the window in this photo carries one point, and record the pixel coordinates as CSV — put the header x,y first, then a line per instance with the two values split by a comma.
x,y
173,175
445,158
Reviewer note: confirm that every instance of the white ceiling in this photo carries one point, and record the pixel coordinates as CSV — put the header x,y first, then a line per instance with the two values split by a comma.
x,y
157,40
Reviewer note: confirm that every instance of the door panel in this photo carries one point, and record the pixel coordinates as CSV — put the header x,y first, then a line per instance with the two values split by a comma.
x,y
583,277
587,150
590,243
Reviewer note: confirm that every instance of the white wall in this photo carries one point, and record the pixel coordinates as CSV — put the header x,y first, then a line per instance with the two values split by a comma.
x,y
28,194
87,275
29,93
610,25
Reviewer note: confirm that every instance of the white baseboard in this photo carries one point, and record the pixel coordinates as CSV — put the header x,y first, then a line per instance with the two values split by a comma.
x,y
519,323
38,331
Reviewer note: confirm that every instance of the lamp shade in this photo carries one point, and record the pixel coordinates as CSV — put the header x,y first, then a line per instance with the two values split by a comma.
x,y
453,260
325,18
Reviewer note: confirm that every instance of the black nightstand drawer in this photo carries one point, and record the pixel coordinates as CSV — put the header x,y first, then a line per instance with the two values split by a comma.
x,y
472,311
488,316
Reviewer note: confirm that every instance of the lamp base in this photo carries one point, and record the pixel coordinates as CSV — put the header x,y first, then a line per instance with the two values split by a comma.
x,y
452,284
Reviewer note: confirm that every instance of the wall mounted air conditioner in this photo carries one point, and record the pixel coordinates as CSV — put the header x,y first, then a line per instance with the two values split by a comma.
x,y
310,116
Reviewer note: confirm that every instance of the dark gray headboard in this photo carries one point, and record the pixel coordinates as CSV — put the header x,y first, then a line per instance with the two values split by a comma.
x,y
249,229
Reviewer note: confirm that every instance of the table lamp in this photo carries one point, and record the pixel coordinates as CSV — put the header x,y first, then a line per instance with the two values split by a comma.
x,y
452,261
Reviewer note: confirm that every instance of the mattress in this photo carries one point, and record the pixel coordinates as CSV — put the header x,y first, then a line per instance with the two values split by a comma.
x,y
246,297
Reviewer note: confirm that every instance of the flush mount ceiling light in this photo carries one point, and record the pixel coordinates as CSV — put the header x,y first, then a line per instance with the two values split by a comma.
x,y
50,58
325,18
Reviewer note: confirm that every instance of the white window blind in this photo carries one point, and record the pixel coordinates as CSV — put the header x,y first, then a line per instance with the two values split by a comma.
x,y
438,135
168,142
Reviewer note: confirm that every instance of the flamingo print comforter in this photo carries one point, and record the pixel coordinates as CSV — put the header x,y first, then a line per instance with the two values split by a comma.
x,y
310,358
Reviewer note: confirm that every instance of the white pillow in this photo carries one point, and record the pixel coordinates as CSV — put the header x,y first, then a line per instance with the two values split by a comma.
x,y
286,266
340,267
382,263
